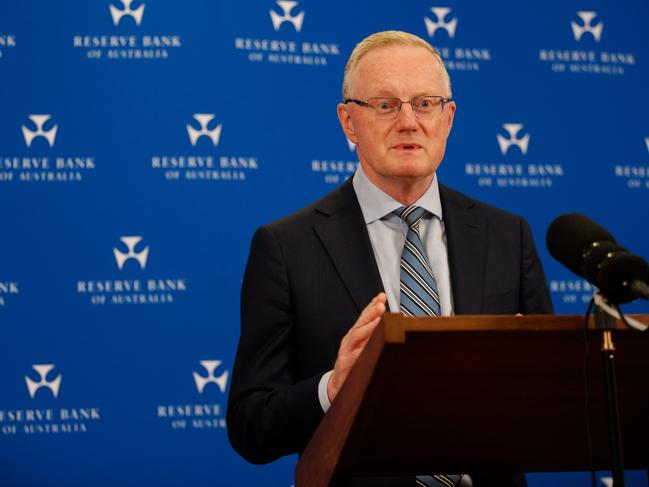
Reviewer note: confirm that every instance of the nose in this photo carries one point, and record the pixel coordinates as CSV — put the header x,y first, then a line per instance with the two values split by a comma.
x,y
406,118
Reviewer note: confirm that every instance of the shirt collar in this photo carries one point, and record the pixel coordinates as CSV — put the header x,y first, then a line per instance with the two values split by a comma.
x,y
375,204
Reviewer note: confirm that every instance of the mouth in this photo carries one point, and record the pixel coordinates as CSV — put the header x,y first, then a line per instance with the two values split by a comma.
x,y
407,146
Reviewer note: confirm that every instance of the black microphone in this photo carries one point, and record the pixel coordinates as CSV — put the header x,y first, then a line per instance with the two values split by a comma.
x,y
591,252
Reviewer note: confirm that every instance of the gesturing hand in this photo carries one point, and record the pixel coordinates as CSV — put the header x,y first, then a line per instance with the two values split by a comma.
x,y
354,342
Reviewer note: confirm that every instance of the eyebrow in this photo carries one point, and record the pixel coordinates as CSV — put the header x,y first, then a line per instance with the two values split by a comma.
x,y
390,94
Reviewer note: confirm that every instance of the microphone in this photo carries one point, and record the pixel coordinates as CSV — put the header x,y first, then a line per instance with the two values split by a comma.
x,y
591,252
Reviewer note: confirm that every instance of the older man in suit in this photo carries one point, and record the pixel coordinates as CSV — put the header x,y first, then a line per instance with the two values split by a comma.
x,y
317,282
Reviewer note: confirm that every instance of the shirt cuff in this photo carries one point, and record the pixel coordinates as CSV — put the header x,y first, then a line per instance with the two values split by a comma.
x,y
322,391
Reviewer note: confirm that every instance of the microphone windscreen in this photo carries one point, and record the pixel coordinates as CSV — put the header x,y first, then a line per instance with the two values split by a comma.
x,y
593,257
570,235
618,272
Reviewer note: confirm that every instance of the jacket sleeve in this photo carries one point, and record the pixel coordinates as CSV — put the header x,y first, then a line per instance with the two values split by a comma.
x,y
534,295
271,411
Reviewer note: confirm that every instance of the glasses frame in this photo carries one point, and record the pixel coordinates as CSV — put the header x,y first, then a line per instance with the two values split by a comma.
x,y
366,103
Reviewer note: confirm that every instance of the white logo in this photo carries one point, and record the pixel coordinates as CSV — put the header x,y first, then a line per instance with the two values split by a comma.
x,y
646,141
210,366
607,481
203,119
278,19
441,13
39,121
513,129
352,146
130,243
43,370
587,17
117,14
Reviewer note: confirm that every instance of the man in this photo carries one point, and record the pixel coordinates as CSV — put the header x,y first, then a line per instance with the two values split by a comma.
x,y
317,282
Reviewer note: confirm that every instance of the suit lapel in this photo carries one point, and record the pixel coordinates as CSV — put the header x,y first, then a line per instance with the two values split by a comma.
x,y
466,241
344,235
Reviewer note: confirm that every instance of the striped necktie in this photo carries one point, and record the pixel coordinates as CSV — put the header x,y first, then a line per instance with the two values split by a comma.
x,y
418,287
419,298
438,480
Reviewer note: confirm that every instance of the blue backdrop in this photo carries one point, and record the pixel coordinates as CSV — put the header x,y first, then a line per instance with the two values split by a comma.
x,y
142,142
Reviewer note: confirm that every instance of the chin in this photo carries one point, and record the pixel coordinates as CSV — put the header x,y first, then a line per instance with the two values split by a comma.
x,y
415,171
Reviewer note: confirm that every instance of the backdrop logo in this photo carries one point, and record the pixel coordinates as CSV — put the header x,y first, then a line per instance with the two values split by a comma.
x,y
506,142
568,59
210,366
7,288
509,171
204,119
31,418
441,13
39,122
288,50
634,174
39,134
456,57
131,243
572,291
587,17
6,40
131,47
43,371
204,166
188,413
117,13
145,289
336,170
287,6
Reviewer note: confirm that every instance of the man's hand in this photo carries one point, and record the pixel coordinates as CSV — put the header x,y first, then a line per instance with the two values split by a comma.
x,y
354,342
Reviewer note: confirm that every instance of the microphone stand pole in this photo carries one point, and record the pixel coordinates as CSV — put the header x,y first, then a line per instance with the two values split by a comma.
x,y
606,323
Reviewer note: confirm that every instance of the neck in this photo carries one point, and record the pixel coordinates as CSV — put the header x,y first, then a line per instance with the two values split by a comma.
x,y
405,190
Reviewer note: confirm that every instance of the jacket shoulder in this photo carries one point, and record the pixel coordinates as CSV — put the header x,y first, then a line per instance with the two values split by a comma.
x,y
452,198
341,198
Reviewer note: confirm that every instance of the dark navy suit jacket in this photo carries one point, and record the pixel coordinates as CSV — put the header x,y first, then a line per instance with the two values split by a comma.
x,y
308,277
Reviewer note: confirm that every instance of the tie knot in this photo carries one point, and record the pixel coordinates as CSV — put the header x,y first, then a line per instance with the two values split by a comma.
x,y
411,215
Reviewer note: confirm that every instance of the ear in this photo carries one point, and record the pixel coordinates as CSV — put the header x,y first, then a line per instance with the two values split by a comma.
x,y
450,116
346,122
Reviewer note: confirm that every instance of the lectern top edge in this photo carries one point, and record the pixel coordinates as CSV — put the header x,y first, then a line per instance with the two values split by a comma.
x,y
396,326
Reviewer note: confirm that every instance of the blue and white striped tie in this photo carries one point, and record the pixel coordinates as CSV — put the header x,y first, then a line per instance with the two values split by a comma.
x,y
419,298
418,287
438,480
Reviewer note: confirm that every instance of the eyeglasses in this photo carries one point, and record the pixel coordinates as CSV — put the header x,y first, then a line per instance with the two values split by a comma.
x,y
422,106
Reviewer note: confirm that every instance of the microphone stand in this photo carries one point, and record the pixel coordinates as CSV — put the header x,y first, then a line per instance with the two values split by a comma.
x,y
606,323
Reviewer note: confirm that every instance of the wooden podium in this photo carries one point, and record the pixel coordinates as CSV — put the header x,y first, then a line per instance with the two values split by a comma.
x,y
480,393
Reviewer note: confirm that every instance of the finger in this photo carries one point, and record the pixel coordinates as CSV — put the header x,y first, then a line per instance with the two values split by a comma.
x,y
376,312
357,337
346,361
379,298
369,321
358,332
375,308
347,358
351,347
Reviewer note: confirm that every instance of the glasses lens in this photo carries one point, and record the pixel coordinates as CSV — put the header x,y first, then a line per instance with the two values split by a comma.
x,y
385,106
425,105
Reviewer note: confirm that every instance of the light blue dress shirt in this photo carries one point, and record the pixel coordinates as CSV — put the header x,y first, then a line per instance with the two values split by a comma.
x,y
387,235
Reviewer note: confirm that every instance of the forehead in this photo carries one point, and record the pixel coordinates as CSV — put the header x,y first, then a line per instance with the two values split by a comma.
x,y
399,71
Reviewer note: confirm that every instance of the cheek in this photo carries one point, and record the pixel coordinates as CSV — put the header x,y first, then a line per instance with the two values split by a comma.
x,y
438,134
373,139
